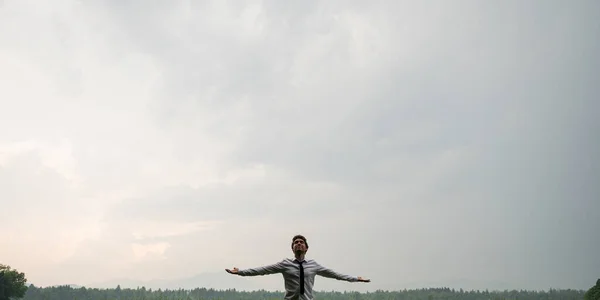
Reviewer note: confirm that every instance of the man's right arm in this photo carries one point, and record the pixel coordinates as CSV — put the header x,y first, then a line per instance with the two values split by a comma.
x,y
265,270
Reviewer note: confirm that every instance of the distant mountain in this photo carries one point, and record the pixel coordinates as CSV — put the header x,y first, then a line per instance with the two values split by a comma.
x,y
75,286
466,284
216,280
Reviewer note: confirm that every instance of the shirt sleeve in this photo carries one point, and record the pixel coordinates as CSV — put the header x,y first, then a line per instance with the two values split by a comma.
x,y
264,270
329,273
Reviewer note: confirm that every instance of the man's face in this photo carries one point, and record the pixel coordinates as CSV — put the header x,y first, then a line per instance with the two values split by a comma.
x,y
299,246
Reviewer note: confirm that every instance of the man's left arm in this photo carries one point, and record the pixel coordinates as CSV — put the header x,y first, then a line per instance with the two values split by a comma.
x,y
329,273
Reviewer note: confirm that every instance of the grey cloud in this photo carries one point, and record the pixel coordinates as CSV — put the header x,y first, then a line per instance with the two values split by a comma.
x,y
461,131
30,189
270,199
44,212
503,86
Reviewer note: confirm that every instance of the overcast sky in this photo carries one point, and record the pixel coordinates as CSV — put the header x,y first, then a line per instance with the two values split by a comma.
x,y
415,143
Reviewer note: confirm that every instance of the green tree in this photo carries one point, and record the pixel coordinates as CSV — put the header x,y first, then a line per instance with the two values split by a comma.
x,y
12,283
594,292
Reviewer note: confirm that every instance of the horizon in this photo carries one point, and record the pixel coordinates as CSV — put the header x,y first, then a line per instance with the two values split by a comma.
x,y
412,143
451,288
420,294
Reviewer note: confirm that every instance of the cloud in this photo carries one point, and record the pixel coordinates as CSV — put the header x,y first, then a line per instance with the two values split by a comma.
x,y
161,141
45,212
148,251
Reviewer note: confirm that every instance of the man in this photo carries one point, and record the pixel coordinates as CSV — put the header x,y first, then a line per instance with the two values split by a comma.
x,y
298,274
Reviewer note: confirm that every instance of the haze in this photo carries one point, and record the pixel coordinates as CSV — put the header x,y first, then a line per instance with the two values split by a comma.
x,y
414,143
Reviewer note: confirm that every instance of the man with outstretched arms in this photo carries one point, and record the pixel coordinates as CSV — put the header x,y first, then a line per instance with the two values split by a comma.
x,y
298,273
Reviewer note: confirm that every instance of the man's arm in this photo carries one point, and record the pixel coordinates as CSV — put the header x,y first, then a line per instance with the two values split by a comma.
x,y
265,270
329,273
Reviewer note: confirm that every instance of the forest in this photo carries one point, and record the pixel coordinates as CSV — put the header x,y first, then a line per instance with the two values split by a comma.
x,y
71,293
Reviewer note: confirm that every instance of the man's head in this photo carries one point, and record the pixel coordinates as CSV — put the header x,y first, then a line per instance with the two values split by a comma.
x,y
299,244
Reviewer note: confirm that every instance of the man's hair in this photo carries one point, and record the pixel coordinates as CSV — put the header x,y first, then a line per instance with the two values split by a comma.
x,y
299,236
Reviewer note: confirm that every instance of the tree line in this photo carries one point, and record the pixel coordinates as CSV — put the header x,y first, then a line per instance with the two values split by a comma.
x,y
13,286
118,293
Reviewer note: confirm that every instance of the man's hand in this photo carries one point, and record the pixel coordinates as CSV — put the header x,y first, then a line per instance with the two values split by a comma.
x,y
360,279
233,271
